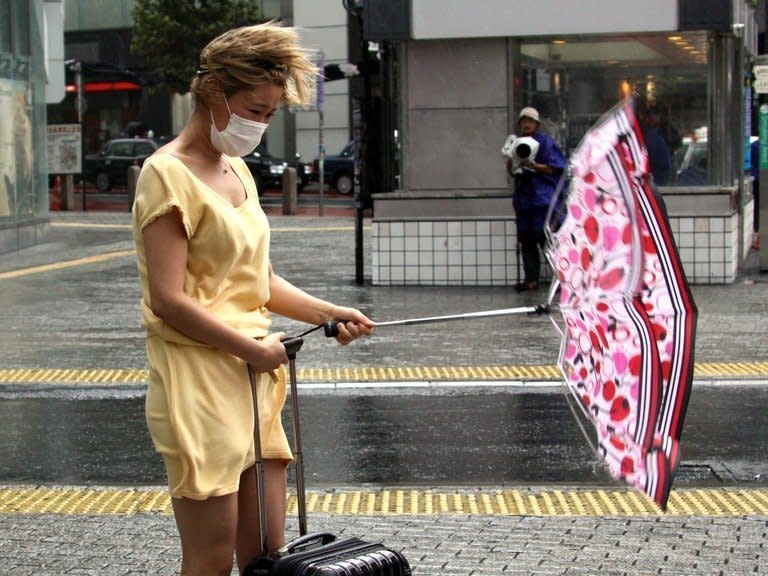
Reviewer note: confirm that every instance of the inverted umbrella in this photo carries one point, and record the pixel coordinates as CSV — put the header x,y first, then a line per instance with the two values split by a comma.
x,y
668,301
628,314
629,318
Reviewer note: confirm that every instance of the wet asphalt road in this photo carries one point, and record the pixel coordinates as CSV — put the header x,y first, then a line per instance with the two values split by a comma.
x,y
401,437
86,316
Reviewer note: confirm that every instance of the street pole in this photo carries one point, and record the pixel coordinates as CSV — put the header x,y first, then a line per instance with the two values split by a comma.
x,y
761,90
359,129
321,124
80,103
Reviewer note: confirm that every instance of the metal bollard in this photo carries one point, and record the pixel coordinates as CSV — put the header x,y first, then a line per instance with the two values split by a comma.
x,y
133,177
290,193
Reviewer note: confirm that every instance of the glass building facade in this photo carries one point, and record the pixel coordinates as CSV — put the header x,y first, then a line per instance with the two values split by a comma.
x,y
573,81
464,75
23,168
680,79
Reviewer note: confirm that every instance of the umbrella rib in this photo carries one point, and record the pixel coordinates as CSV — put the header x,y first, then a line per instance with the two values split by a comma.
x,y
570,399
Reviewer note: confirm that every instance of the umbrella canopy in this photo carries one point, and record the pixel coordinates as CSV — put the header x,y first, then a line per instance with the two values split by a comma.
x,y
628,314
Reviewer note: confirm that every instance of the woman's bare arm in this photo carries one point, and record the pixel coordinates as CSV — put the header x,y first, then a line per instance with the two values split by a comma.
x,y
292,302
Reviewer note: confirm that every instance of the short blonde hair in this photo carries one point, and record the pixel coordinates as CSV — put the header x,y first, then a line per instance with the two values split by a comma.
x,y
243,58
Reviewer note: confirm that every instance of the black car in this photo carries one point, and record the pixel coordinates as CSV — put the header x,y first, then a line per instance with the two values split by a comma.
x,y
110,166
338,169
268,171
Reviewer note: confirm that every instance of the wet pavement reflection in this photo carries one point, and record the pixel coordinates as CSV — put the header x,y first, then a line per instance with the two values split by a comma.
x,y
420,437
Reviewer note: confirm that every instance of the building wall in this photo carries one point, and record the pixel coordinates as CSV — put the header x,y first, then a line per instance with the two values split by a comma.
x,y
98,14
461,19
324,28
464,80
457,116
100,31
23,163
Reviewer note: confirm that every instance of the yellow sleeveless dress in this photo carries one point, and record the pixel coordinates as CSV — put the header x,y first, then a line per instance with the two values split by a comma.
x,y
198,406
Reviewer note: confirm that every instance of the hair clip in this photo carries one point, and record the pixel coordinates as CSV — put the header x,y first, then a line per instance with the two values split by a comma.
x,y
268,65
202,69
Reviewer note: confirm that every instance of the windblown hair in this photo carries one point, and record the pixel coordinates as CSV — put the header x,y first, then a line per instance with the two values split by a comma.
x,y
243,58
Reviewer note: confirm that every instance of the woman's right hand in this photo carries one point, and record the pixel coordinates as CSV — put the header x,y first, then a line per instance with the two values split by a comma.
x,y
269,353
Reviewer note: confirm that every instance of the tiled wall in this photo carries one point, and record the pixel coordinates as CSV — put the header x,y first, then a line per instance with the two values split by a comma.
x,y
476,252
483,252
708,247
472,252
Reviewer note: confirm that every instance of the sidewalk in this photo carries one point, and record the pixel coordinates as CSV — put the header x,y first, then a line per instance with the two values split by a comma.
x,y
460,545
72,304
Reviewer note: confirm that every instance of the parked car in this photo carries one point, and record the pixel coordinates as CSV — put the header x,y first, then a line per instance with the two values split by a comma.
x,y
691,163
109,167
268,171
691,159
338,169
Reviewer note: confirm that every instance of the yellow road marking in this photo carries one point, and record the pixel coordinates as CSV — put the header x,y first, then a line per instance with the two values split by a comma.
x,y
66,264
316,229
119,254
95,225
104,226
115,376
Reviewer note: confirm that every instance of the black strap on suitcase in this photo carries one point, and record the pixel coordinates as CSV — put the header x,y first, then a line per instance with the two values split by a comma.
x,y
320,553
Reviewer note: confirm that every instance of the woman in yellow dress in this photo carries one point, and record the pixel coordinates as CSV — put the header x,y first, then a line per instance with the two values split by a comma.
x,y
207,291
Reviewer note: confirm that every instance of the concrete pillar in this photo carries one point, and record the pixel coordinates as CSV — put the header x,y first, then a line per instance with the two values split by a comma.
x,y
290,193
68,192
133,177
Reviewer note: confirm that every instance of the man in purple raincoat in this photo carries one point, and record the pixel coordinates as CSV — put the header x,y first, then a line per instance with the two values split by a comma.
x,y
535,186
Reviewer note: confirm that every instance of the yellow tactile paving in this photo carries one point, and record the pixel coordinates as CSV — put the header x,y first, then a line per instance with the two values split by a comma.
x,y
727,369
115,376
598,502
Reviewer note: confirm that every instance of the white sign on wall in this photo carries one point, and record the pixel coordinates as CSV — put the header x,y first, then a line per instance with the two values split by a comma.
x,y
761,79
65,149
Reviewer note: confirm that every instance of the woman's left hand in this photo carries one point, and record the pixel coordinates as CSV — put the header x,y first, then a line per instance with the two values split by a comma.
x,y
351,324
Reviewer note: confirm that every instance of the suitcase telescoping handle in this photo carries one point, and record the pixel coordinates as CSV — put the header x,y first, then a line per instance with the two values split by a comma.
x,y
292,346
308,542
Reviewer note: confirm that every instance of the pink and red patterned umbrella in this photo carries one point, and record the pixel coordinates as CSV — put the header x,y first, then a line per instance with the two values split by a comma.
x,y
629,319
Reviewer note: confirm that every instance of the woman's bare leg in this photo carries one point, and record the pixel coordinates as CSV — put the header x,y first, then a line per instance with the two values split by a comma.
x,y
208,530
248,536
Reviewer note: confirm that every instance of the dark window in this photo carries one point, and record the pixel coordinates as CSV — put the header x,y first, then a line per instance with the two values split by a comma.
x,y
143,148
5,25
349,150
121,149
20,21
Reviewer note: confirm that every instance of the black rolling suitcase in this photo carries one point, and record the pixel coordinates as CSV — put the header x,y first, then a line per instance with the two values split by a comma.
x,y
318,554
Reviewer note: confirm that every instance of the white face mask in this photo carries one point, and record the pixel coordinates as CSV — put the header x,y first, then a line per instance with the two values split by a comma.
x,y
240,136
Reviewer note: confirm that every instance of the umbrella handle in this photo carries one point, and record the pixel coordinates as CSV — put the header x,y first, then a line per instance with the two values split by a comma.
x,y
331,328
292,345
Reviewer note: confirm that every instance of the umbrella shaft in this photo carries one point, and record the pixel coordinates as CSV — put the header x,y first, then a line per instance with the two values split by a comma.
x,y
467,316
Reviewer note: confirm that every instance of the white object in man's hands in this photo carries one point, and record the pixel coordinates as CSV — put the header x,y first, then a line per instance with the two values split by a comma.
x,y
519,150
506,150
